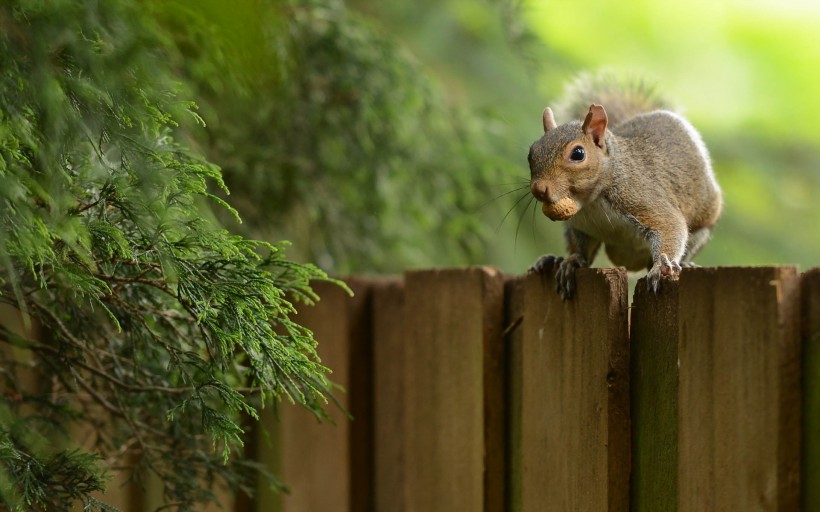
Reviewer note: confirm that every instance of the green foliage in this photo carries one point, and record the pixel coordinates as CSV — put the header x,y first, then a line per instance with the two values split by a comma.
x,y
162,330
482,60
54,481
334,137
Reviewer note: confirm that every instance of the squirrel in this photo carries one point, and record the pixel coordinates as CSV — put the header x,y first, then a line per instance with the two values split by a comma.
x,y
638,181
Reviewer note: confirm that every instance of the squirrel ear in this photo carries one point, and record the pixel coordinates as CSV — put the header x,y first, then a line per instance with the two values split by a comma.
x,y
595,124
548,120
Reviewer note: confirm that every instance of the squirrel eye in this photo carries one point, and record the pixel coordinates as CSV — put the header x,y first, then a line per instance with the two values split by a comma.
x,y
578,154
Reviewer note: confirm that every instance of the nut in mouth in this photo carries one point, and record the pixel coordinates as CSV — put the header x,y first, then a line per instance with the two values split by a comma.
x,y
562,209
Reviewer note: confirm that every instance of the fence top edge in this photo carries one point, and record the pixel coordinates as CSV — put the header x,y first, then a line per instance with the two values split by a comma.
x,y
776,271
812,273
487,270
494,271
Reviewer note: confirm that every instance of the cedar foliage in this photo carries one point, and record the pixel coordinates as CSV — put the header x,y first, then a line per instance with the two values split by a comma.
x,y
161,329
334,136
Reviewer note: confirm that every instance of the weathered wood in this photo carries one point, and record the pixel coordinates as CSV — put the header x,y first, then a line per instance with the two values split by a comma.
x,y
739,401
811,390
26,376
314,459
389,395
454,389
224,499
121,490
654,344
245,501
361,393
575,403
513,341
268,437
474,394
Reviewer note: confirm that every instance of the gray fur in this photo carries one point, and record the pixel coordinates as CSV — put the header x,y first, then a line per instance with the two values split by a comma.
x,y
647,192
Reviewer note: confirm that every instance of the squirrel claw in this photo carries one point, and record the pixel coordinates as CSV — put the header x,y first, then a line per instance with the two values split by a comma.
x,y
664,267
564,271
545,263
565,277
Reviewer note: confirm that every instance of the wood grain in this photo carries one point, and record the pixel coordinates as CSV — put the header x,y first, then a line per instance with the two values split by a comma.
x,y
389,395
811,389
575,403
513,345
310,453
739,403
454,385
655,342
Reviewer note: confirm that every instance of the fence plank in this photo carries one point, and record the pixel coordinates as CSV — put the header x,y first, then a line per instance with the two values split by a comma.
x,y
811,389
654,341
312,458
453,371
389,395
575,403
715,396
361,393
513,341
739,407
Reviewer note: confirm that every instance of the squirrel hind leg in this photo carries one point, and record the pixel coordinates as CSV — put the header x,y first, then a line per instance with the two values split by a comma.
x,y
664,267
694,243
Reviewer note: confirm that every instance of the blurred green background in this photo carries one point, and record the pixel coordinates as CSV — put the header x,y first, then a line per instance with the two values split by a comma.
x,y
380,136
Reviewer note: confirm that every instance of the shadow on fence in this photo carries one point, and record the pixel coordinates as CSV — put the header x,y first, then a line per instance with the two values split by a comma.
x,y
476,392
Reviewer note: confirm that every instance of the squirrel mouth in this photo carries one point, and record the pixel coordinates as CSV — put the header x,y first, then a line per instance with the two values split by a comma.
x,y
562,209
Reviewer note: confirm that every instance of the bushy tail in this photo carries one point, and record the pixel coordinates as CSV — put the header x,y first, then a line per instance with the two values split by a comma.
x,y
622,97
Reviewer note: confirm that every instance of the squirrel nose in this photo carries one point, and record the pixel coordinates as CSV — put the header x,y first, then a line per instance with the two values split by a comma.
x,y
540,190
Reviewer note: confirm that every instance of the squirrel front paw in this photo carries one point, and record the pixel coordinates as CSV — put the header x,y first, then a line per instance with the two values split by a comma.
x,y
664,267
545,263
565,271
565,277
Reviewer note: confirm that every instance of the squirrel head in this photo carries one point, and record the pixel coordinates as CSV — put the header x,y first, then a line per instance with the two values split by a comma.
x,y
567,162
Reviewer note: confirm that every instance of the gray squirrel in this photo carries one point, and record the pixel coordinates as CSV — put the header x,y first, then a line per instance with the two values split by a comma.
x,y
638,181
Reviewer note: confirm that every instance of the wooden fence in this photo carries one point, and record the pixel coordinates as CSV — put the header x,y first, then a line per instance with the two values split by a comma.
x,y
472,391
